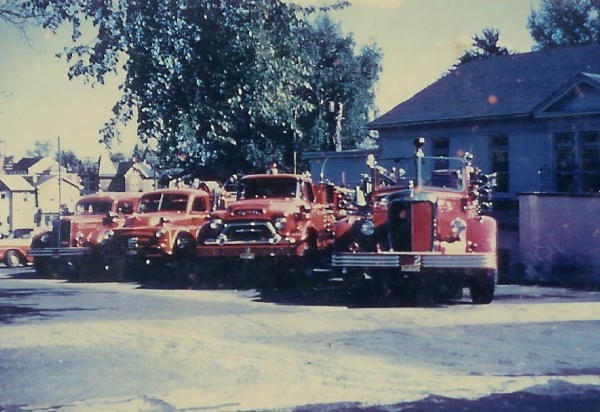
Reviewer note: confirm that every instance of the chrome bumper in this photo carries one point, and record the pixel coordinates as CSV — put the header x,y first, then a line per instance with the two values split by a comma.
x,y
59,251
412,260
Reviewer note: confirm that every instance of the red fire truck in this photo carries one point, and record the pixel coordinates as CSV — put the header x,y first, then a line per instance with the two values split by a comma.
x,y
281,222
421,223
161,233
63,250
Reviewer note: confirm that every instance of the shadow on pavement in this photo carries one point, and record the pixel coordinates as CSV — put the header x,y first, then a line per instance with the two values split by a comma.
x,y
565,397
11,308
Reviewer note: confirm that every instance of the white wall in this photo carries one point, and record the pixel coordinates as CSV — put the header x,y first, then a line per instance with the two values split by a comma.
x,y
48,196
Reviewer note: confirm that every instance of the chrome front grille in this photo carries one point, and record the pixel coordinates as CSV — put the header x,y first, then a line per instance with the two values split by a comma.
x,y
132,243
245,233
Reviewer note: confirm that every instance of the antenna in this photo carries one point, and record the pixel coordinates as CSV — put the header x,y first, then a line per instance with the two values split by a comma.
x,y
59,156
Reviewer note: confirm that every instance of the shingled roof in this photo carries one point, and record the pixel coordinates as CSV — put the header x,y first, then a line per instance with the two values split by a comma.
x,y
23,165
497,86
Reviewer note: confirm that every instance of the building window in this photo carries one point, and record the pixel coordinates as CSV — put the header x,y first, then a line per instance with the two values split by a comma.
x,y
577,161
441,147
499,153
590,161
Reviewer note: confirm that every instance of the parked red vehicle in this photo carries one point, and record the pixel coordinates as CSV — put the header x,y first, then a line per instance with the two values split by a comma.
x,y
68,248
14,248
428,229
283,221
162,232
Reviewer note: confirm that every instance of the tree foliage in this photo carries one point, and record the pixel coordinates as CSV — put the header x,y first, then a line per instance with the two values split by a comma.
x,y
341,80
43,148
484,45
215,86
565,22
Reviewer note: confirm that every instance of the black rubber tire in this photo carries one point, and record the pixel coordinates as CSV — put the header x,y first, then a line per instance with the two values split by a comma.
x,y
482,284
42,267
13,258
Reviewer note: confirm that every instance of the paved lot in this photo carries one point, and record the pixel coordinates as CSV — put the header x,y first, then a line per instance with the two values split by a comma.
x,y
118,346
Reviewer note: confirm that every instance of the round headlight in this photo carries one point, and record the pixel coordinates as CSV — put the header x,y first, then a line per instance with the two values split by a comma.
x,y
216,224
45,238
159,233
280,223
108,234
458,226
367,227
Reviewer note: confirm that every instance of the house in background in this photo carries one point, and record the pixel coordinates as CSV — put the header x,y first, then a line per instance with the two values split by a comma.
x,y
6,163
54,194
87,170
117,174
110,173
17,203
534,118
139,177
35,166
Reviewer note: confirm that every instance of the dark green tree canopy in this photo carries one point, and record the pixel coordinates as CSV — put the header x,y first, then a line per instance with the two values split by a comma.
x,y
564,22
340,80
215,86
484,45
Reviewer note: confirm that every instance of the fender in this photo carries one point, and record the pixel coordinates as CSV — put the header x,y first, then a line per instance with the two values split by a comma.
x,y
482,234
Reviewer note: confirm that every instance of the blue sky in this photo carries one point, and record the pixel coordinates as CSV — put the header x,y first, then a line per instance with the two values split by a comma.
x,y
420,40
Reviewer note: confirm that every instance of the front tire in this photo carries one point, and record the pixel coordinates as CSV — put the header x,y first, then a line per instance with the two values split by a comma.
x,y
482,285
12,259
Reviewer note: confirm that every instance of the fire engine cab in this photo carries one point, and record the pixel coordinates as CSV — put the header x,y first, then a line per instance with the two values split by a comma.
x,y
276,218
70,245
421,223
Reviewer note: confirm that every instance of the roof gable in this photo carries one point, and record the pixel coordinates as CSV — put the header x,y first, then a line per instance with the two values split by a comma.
x,y
23,165
15,183
581,95
498,86
106,166
35,165
45,180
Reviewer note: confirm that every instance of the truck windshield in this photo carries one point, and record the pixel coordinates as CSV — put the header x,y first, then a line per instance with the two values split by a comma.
x,y
171,202
268,188
93,207
438,172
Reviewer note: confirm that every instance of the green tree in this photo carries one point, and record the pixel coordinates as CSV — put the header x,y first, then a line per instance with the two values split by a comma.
x,y
218,85
41,149
68,159
340,80
564,22
484,45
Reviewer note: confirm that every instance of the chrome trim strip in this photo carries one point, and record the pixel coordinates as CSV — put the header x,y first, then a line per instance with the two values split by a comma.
x,y
484,260
428,260
62,251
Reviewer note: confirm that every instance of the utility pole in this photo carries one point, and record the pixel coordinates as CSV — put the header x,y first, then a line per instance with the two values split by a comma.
x,y
337,135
